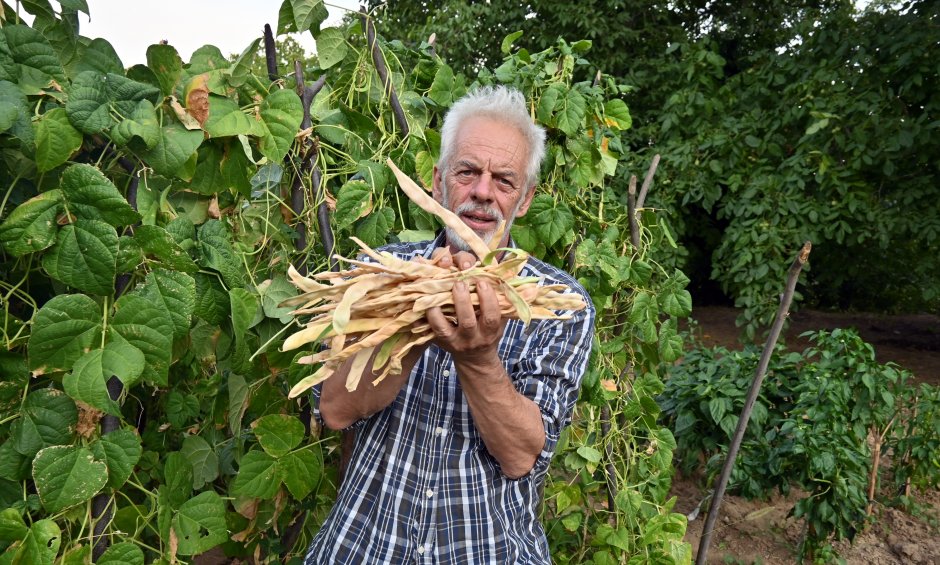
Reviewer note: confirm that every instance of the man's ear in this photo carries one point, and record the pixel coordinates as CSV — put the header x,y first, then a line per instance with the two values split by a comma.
x,y
525,203
436,191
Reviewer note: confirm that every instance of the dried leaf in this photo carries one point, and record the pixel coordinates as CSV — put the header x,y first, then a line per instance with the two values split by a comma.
x,y
88,418
197,98
213,211
183,116
174,546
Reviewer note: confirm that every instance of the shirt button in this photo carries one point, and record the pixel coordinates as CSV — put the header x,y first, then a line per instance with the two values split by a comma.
x,y
430,493
421,550
439,431
446,372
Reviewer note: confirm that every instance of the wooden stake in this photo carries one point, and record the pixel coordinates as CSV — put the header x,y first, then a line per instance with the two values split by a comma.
x,y
722,482
875,464
102,505
873,476
907,453
631,213
647,182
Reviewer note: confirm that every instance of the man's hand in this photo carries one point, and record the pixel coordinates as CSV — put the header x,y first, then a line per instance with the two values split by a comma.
x,y
509,423
340,408
475,335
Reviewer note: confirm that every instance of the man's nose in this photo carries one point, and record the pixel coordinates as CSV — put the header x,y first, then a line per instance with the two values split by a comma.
x,y
483,188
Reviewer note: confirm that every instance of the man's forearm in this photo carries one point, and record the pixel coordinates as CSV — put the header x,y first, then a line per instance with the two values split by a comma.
x,y
341,408
509,423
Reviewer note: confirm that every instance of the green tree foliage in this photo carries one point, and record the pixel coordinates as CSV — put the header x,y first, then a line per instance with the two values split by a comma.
x,y
615,29
624,35
776,124
828,139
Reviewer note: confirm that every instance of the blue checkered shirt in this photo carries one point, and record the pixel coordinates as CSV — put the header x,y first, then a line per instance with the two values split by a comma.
x,y
422,488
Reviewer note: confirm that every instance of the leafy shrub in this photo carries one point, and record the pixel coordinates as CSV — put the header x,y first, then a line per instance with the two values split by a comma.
x,y
916,442
810,427
705,393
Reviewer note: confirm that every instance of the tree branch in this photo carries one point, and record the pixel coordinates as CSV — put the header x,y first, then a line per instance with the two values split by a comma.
x,y
308,163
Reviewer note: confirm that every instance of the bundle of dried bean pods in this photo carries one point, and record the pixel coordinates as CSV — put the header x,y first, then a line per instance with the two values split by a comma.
x,y
374,311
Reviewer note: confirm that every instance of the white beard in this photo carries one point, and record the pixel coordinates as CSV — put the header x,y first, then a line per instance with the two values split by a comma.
x,y
457,241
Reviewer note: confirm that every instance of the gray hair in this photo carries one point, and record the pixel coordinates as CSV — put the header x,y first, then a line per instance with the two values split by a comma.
x,y
506,105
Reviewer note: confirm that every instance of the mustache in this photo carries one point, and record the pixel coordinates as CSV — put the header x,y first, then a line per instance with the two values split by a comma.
x,y
481,209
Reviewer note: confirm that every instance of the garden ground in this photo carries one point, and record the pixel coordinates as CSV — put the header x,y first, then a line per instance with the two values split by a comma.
x,y
759,531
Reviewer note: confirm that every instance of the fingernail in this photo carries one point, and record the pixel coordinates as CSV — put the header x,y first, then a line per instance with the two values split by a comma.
x,y
482,285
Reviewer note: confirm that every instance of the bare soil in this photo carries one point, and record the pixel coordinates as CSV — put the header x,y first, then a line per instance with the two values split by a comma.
x,y
760,531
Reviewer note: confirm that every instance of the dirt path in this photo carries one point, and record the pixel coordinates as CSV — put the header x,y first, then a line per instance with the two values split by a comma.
x,y
759,531
912,341
754,531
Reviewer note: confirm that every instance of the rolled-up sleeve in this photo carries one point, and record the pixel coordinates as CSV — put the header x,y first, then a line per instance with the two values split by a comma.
x,y
549,371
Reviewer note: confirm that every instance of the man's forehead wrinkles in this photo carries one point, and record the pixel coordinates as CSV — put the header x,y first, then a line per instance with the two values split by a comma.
x,y
513,156
502,157
488,144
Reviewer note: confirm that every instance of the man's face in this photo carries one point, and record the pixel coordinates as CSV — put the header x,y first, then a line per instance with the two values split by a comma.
x,y
485,182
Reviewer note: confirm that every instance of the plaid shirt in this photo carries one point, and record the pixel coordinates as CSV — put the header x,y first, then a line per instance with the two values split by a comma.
x,y
421,486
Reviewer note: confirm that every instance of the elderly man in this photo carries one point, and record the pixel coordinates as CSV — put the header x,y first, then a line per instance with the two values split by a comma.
x,y
450,455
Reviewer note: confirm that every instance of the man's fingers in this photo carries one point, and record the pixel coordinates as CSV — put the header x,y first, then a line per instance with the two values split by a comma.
x,y
442,257
475,327
463,307
439,324
464,260
490,315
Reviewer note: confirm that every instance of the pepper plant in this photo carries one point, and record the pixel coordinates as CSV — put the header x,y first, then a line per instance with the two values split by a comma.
x,y
147,221
824,420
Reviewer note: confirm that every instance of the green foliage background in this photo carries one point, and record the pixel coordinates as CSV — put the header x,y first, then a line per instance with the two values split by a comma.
x,y
146,227
776,124
148,218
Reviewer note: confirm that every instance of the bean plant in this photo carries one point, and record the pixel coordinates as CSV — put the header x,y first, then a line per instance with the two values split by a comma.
x,y
148,218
